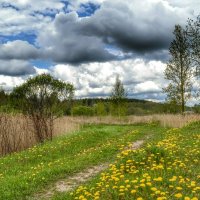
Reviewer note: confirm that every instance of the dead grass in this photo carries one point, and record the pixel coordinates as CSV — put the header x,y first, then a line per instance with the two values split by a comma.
x,y
166,120
65,125
17,133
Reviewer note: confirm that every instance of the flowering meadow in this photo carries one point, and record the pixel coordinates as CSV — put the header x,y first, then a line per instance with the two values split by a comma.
x,y
167,167
26,173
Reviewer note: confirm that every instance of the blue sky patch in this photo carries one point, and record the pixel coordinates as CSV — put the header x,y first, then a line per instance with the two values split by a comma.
x,y
87,9
29,37
44,64
65,8
46,13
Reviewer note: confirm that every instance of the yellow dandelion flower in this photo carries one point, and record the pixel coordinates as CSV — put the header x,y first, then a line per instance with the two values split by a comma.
x,y
133,191
153,189
142,185
187,198
179,188
178,195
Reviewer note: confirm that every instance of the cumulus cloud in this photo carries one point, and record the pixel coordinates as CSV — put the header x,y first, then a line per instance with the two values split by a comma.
x,y
139,26
35,4
192,6
18,50
147,86
129,38
15,19
63,42
8,82
16,68
32,15
141,79
135,28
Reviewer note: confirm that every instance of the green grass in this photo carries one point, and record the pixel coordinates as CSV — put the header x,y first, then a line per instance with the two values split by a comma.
x,y
25,173
167,167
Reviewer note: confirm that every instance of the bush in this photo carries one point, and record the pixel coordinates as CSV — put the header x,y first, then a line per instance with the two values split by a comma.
x,y
83,111
100,109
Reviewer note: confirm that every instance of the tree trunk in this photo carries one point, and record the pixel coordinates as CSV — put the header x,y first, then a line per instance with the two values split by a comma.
x,y
182,88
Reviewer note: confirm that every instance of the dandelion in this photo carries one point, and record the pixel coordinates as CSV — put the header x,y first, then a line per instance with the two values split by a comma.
x,y
153,189
133,191
186,198
178,195
179,188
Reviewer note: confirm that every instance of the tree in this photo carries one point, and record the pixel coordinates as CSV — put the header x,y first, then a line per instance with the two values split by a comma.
x,y
4,102
100,109
193,34
3,96
179,70
118,98
43,99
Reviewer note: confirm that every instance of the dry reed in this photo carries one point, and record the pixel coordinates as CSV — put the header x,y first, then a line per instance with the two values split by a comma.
x,y
166,120
17,132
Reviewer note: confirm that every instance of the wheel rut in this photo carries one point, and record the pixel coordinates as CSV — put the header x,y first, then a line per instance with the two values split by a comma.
x,y
71,182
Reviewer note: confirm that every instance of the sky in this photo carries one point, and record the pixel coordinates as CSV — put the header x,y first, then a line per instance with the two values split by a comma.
x,y
89,42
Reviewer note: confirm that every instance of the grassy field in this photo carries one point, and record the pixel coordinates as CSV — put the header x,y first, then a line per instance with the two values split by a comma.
x,y
167,167
25,173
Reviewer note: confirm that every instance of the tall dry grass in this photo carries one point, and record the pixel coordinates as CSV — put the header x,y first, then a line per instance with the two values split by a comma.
x,y
17,132
166,120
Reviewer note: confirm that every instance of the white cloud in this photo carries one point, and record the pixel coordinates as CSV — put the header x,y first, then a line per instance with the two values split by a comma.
x,y
116,22
32,15
8,82
15,22
28,15
41,71
97,79
192,6
65,72
143,80
38,4
117,29
147,86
